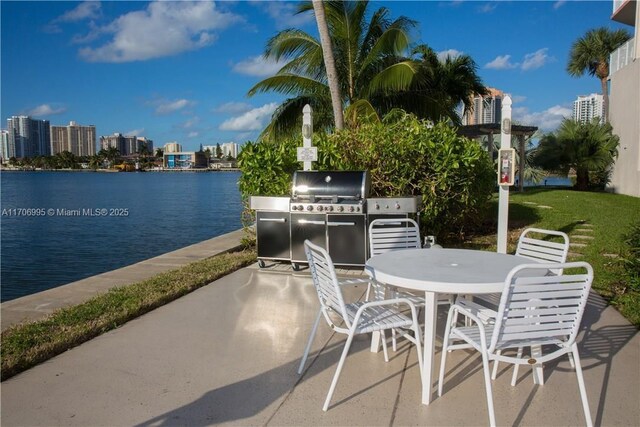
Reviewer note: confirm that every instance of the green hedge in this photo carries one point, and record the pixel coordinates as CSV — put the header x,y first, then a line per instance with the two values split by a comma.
x,y
404,155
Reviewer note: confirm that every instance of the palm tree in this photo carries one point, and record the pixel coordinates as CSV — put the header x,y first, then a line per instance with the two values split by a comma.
x,y
110,154
329,63
368,60
588,147
590,53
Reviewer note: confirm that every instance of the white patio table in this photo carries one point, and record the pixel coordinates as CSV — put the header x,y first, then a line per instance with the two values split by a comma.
x,y
447,271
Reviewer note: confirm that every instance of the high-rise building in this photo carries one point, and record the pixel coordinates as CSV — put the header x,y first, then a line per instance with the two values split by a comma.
x,y
588,107
230,149
28,137
172,147
116,141
5,152
145,143
77,139
486,109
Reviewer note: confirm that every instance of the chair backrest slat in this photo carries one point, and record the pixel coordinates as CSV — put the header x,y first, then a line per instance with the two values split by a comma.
x,y
391,234
536,306
544,250
324,278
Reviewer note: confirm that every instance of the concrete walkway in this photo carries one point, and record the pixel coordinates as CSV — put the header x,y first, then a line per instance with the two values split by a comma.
x,y
37,306
227,354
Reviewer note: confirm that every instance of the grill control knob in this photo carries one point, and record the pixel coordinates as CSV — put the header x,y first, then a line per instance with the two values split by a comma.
x,y
377,206
330,208
340,208
397,205
309,208
294,207
357,208
319,208
351,209
300,207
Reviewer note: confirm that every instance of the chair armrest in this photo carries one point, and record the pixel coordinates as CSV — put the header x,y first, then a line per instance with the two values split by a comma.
x,y
350,282
378,303
467,312
486,315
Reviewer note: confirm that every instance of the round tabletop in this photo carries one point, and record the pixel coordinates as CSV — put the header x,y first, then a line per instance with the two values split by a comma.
x,y
457,271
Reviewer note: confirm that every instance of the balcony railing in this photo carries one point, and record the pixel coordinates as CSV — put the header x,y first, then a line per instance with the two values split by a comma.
x,y
622,56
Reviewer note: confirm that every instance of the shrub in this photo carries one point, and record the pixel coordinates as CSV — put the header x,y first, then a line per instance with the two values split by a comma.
x,y
404,155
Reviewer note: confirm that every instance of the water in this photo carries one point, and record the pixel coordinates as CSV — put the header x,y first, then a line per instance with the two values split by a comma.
x,y
551,181
159,213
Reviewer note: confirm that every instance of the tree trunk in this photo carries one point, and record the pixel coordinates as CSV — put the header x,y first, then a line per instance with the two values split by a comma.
x,y
605,100
582,179
329,63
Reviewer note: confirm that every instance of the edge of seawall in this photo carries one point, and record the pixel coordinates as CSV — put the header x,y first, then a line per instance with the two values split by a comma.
x,y
41,304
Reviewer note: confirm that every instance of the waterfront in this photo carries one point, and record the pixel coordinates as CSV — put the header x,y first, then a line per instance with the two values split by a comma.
x,y
60,227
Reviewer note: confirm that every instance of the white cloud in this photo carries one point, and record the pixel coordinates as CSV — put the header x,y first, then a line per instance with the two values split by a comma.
x,y
167,107
488,7
453,53
535,60
546,120
502,62
85,10
559,4
518,99
251,120
284,14
232,107
258,66
46,110
189,124
162,29
193,134
135,132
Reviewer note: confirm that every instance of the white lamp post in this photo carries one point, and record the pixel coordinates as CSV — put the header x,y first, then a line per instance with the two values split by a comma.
x,y
307,153
503,206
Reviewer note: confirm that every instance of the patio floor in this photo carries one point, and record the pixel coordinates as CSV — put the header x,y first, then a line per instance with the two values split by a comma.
x,y
228,354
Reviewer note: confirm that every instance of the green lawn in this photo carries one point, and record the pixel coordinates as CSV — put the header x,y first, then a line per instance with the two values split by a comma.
x,y
610,217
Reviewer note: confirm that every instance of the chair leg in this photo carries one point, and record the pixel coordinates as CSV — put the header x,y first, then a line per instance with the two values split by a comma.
x,y
487,384
581,386
494,373
445,349
366,297
394,340
516,366
418,332
337,374
384,346
310,341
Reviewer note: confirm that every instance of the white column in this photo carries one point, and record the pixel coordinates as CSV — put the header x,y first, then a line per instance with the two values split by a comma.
x,y
503,204
307,131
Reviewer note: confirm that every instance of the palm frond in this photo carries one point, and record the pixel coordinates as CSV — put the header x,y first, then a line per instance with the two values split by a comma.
x,y
397,77
291,43
289,84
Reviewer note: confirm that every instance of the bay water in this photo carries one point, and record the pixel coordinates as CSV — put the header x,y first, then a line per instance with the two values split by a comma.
x,y
59,227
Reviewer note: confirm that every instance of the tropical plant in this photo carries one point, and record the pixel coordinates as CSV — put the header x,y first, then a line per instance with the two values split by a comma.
x,y
159,152
110,154
590,53
582,147
376,71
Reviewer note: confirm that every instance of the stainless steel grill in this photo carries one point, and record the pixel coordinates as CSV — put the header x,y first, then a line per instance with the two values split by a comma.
x,y
331,209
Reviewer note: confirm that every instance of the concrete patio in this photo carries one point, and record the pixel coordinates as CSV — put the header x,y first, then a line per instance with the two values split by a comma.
x,y
228,354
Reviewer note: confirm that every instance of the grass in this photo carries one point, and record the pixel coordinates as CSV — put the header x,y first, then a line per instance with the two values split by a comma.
x,y
609,215
25,345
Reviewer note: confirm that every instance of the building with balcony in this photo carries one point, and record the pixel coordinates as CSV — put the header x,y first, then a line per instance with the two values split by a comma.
x,y
172,147
185,160
588,107
28,137
5,151
624,102
486,109
77,139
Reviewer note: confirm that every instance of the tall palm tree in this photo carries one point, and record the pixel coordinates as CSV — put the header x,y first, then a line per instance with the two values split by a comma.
x,y
590,53
583,147
368,59
329,63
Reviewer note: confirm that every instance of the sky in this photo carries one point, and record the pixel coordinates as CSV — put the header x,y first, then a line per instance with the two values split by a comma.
x,y
180,71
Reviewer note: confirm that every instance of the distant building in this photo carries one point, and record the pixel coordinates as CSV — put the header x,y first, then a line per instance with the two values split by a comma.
x,y
77,139
145,143
486,109
624,101
588,107
28,137
117,141
4,146
230,149
185,160
172,147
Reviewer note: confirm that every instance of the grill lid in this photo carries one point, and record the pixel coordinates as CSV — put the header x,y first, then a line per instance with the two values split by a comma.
x,y
330,184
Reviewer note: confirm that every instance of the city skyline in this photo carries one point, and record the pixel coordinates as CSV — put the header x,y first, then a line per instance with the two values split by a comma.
x,y
190,84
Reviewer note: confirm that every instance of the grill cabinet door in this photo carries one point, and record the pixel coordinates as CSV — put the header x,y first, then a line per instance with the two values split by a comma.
x,y
272,231
347,239
303,227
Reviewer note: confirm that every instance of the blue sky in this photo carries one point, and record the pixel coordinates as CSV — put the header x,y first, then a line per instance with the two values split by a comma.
x,y
180,71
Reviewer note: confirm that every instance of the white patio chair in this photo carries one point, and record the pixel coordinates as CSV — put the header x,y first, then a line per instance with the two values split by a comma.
x,y
393,234
539,249
356,318
535,309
